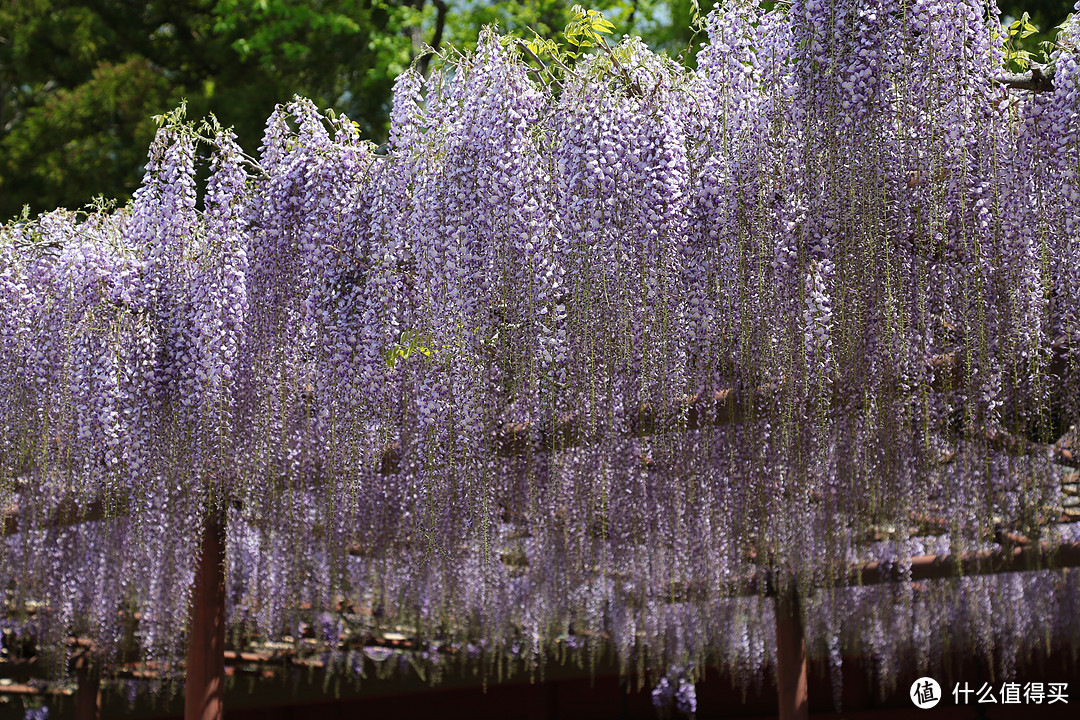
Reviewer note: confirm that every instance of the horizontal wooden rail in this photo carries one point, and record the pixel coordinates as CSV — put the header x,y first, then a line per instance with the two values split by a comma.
x,y
66,513
1026,558
30,690
985,562
1041,556
723,407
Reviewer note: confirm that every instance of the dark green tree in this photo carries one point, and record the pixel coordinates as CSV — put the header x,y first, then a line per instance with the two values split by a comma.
x,y
80,81
1046,15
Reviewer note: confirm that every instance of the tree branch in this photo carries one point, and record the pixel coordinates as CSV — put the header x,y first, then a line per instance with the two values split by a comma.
x,y
543,68
1040,78
436,40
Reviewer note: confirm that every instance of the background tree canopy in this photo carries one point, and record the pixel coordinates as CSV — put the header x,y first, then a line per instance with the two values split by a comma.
x,y
81,80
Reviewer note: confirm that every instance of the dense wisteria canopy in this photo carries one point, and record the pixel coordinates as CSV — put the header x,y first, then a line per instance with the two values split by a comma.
x,y
593,366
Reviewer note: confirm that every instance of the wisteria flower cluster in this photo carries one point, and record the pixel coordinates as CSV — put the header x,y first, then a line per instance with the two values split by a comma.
x,y
584,367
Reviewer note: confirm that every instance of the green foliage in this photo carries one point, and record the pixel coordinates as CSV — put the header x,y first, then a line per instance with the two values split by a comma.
x,y
587,27
91,138
277,23
546,18
1019,30
81,79
543,46
408,344
1021,23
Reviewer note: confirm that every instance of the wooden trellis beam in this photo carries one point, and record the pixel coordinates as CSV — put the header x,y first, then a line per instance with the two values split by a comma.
x,y
723,407
205,672
984,562
204,690
66,513
1024,558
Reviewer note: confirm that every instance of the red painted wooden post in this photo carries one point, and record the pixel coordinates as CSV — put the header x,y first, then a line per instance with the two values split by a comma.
x,y
790,658
88,694
205,683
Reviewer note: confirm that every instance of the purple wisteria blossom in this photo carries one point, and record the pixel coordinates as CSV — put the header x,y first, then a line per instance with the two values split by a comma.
x,y
570,371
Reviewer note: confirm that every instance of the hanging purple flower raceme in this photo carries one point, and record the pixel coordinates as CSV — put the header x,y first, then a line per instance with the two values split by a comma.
x,y
571,367
220,321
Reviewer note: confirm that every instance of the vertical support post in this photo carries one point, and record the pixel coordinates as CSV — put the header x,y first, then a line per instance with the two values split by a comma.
x,y
791,658
88,694
205,682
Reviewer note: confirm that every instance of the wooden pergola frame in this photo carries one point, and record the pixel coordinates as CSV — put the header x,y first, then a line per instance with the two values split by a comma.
x,y
205,667
206,653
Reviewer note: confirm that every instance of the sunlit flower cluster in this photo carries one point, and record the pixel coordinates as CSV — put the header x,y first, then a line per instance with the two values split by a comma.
x,y
571,367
